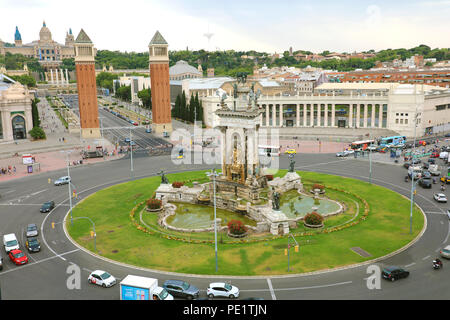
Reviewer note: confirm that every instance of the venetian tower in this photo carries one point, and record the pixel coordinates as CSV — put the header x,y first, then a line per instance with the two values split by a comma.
x,y
159,75
87,87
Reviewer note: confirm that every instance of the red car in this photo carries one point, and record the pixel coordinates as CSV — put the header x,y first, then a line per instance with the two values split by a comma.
x,y
434,155
18,257
135,123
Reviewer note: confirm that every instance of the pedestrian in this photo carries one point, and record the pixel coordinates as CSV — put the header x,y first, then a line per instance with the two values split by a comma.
x,y
14,169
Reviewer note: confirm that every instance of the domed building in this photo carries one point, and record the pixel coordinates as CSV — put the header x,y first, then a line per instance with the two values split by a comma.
x,y
182,70
49,52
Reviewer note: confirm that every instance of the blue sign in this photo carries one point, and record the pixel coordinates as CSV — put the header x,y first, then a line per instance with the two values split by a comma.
x,y
133,293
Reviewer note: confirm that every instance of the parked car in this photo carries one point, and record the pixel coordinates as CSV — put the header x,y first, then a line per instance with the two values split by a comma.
x,y
431,161
10,242
102,278
33,245
32,230
440,197
47,206
222,289
426,183
394,273
434,170
445,252
18,257
62,180
181,289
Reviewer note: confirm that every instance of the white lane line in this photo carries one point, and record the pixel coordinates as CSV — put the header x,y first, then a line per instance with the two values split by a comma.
x,y
448,234
8,192
35,193
316,287
427,257
37,262
271,289
410,265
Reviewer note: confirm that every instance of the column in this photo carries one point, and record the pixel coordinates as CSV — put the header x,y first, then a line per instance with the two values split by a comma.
x,y
281,115
298,115
333,115
67,78
51,76
311,122
304,115
325,121
358,115
318,115
63,81
350,115
365,115
274,115
56,74
372,122
267,115
380,116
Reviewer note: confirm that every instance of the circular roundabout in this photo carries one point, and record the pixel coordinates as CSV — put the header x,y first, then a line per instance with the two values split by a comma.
x,y
361,223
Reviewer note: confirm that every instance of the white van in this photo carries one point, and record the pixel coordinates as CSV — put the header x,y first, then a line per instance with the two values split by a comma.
x,y
443,155
10,242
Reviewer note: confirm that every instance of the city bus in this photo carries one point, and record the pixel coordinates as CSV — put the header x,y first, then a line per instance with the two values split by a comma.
x,y
392,141
270,151
361,145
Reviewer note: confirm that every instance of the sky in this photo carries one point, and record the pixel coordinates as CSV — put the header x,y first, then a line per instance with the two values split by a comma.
x,y
264,25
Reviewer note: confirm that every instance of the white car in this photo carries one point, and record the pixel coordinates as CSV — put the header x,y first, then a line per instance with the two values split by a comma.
x,y
440,197
222,289
10,242
445,252
102,278
62,180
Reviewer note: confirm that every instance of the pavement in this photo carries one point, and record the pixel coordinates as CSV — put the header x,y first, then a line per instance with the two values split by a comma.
x,y
48,153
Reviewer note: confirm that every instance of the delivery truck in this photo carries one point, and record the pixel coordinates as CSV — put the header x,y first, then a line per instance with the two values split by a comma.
x,y
142,288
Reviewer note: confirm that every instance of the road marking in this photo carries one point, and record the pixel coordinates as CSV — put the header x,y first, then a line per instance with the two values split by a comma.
x,y
271,289
316,287
448,234
409,265
427,257
35,193
39,261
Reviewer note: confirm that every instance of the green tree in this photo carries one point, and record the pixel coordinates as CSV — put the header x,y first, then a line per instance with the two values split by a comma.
x,y
35,113
26,80
37,133
124,93
146,97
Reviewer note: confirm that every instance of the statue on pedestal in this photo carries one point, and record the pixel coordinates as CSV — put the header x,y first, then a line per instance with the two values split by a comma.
x,y
164,179
275,201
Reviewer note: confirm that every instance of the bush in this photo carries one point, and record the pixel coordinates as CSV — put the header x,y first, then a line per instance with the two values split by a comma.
x,y
154,204
236,227
313,219
269,177
177,184
37,133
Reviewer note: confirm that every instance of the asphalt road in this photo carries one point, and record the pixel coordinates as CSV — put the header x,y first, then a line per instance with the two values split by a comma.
x,y
45,277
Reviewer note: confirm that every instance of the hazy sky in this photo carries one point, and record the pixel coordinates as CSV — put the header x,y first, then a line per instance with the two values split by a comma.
x,y
262,25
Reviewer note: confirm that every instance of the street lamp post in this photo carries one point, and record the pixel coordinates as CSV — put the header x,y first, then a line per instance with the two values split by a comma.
x,y
412,174
214,175
69,184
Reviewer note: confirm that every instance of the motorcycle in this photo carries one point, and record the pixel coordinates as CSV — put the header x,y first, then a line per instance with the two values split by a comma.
x,y
437,264
406,179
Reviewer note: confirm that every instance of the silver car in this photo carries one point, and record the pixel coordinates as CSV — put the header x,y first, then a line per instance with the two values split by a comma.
x,y
445,252
32,230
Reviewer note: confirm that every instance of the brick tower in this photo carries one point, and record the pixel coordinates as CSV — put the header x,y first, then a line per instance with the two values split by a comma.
x,y
159,75
87,87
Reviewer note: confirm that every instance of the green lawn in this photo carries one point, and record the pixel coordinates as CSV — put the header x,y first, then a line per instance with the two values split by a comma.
x,y
385,230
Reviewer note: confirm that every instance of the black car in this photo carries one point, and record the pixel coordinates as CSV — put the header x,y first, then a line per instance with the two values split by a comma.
x,y
425,165
425,182
181,289
48,206
33,244
431,161
394,273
